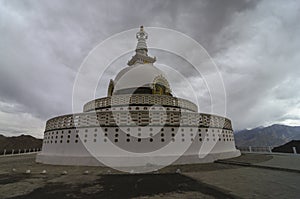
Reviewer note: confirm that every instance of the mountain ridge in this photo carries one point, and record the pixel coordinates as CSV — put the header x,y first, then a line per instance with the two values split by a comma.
x,y
19,142
274,135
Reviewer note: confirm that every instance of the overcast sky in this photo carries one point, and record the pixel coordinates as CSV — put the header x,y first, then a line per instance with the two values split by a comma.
x,y
255,44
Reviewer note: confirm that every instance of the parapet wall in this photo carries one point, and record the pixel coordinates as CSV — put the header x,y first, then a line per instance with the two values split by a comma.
x,y
148,100
141,117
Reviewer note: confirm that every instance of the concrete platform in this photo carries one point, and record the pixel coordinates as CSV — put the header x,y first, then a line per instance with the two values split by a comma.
x,y
212,180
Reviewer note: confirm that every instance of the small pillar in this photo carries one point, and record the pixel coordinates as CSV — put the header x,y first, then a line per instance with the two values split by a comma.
x,y
4,152
294,150
19,151
250,149
12,151
270,149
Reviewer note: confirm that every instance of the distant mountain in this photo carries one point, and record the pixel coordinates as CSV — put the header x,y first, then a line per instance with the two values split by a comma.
x,y
274,135
19,142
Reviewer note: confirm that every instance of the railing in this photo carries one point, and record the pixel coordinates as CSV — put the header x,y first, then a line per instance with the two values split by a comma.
x,y
109,118
267,149
8,152
250,149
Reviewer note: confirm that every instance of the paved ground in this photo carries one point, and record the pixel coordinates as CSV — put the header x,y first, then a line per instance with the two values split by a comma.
x,y
279,161
283,161
214,180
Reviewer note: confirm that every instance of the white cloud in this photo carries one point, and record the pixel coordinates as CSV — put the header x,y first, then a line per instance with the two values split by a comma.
x,y
12,124
260,55
255,44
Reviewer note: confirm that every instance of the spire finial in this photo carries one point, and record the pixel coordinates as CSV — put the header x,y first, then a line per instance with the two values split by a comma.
x,y
142,35
141,49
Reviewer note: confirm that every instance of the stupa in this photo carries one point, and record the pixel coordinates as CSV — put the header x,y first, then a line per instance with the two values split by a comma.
x,y
140,116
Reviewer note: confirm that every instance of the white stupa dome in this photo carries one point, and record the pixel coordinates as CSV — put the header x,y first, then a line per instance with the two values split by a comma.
x,y
140,75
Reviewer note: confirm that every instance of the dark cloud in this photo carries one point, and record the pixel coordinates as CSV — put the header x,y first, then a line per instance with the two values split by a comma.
x,y
255,44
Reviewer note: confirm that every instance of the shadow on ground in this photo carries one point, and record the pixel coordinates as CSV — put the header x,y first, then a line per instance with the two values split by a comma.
x,y
127,186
